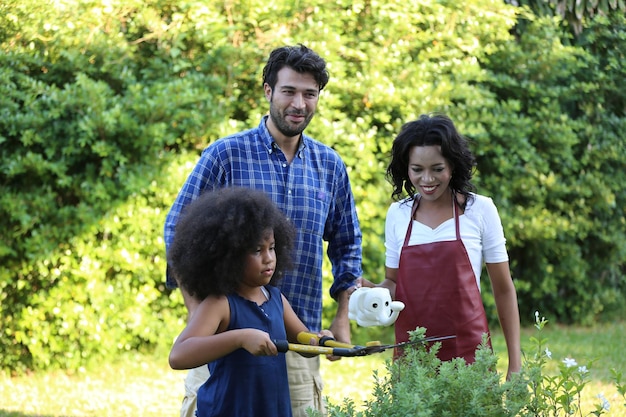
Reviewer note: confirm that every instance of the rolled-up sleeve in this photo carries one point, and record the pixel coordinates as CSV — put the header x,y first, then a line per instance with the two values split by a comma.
x,y
343,234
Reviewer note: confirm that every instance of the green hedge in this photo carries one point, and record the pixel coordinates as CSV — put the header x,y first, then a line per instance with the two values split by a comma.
x,y
552,155
106,107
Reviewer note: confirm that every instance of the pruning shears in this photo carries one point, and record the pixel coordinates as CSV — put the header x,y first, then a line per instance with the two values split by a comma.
x,y
329,346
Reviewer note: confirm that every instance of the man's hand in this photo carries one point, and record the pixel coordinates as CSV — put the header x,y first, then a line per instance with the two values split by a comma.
x,y
341,324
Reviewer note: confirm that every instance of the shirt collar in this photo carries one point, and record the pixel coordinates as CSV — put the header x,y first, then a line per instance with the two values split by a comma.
x,y
270,144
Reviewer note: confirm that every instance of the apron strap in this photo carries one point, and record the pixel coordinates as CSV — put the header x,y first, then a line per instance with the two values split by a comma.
x,y
455,206
416,203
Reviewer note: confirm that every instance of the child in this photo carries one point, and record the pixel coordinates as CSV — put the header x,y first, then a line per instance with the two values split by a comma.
x,y
229,250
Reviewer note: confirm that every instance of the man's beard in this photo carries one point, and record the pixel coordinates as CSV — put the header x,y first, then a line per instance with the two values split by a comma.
x,y
284,127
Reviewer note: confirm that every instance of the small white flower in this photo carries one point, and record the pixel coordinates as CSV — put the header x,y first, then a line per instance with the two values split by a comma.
x,y
569,362
583,369
536,315
548,353
605,403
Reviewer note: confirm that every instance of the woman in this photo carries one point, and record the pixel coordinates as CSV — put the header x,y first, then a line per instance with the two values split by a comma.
x,y
437,238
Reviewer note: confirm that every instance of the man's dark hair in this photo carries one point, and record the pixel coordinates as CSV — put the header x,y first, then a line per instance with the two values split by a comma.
x,y
299,58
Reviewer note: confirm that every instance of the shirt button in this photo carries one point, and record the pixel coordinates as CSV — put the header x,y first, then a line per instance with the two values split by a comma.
x,y
284,165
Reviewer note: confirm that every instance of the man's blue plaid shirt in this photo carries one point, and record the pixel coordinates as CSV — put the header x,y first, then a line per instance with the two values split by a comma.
x,y
313,191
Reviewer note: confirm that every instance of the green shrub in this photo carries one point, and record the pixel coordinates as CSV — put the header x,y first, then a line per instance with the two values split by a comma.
x,y
419,384
105,107
551,155
90,109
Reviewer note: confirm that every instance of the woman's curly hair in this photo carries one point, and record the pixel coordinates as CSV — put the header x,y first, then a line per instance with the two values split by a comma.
x,y
217,231
429,130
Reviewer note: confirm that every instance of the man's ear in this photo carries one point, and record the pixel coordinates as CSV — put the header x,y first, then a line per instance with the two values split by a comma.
x,y
268,91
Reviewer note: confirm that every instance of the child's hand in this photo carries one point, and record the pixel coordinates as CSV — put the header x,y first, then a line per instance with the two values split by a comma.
x,y
258,343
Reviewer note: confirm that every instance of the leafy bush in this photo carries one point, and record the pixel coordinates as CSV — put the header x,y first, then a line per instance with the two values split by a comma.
x,y
90,109
551,155
105,106
419,384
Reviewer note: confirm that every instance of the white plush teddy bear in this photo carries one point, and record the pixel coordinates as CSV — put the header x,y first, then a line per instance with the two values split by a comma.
x,y
373,307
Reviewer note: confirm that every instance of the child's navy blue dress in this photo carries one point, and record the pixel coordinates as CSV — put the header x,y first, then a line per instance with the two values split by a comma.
x,y
244,385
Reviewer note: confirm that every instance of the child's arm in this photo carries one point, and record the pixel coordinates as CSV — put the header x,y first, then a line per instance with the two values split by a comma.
x,y
205,339
293,326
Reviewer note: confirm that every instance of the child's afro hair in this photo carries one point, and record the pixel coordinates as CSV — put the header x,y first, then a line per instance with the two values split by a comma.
x,y
217,231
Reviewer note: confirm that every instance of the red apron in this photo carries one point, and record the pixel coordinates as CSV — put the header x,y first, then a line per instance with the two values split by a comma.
x,y
436,282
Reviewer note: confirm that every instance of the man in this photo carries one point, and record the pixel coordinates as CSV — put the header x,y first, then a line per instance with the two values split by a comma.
x,y
309,183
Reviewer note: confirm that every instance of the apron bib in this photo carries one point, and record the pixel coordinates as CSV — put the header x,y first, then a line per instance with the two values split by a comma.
x,y
436,282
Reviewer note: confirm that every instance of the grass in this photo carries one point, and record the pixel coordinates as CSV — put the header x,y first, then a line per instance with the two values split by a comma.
x,y
145,386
